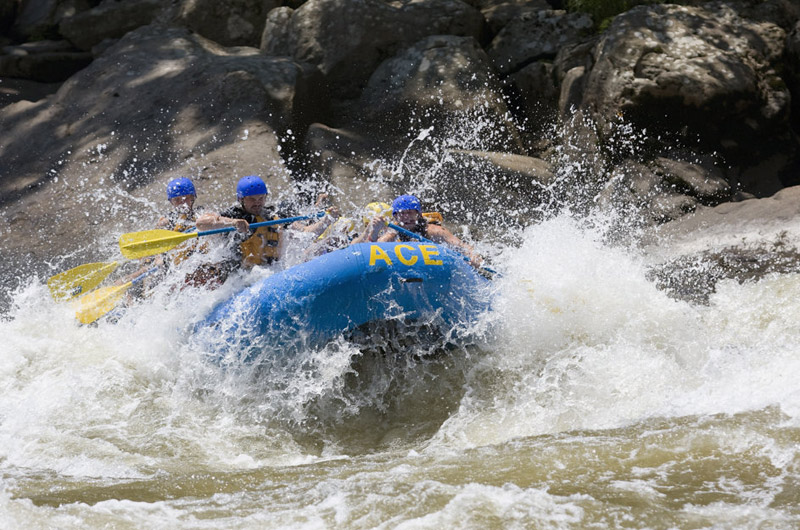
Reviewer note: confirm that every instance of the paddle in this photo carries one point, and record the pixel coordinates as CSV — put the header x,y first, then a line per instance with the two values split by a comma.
x,y
94,305
135,245
79,280
409,233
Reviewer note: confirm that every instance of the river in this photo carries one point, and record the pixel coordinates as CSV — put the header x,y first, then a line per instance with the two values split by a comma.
x,y
588,399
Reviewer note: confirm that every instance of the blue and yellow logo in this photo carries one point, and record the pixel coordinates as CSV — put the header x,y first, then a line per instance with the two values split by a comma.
x,y
405,254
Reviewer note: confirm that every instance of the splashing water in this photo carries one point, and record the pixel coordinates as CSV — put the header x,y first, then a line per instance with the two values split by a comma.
x,y
590,399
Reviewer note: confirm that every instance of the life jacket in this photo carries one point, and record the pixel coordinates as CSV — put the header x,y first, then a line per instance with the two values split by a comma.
x,y
182,222
261,248
420,228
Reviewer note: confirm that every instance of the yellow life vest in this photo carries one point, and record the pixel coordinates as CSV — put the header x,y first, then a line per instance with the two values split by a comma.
x,y
261,247
182,223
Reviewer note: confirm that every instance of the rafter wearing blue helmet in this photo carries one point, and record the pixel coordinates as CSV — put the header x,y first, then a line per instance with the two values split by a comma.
x,y
407,214
180,187
251,248
249,186
181,194
406,202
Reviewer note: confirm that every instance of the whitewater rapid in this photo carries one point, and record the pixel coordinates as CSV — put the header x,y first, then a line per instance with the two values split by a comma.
x,y
590,398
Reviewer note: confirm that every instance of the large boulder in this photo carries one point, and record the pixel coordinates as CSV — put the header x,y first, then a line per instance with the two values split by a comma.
x,y
39,19
490,189
439,78
697,76
110,20
663,190
343,161
8,12
499,14
348,39
228,22
793,71
159,103
536,35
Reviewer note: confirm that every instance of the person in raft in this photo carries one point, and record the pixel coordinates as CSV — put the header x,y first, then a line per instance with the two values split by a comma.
x,y
260,247
407,214
346,231
181,194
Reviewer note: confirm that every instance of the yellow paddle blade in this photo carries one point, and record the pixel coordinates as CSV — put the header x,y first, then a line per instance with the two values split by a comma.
x,y
79,280
135,245
94,305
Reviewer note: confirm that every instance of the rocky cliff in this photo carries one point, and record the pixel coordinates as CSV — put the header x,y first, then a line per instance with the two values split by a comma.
x,y
509,107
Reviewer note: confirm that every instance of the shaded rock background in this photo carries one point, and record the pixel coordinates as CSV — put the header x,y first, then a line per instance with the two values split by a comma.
x,y
514,108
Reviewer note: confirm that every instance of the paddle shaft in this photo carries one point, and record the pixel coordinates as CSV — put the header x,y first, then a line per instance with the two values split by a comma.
x,y
254,226
409,233
143,275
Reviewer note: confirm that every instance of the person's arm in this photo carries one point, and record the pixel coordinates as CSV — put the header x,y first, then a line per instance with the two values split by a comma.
x,y
440,234
389,237
331,216
372,231
212,221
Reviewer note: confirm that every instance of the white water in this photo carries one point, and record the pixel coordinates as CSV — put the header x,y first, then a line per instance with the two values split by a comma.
x,y
594,399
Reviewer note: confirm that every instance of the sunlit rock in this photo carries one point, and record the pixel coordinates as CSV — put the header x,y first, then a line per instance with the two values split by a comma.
x,y
438,77
694,75
160,102
347,39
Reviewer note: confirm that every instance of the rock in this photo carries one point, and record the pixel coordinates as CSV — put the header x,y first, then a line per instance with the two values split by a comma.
x,y
276,30
228,22
110,20
705,182
13,90
211,113
42,61
750,222
438,78
500,14
535,36
537,96
500,189
570,67
347,164
743,241
641,196
348,39
688,75
8,12
793,71
39,19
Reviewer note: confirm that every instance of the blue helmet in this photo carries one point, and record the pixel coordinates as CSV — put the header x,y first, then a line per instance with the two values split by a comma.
x,y
406,202
250,185
180,187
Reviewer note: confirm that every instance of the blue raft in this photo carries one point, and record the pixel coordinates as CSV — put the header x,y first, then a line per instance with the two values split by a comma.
x,y
369,283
